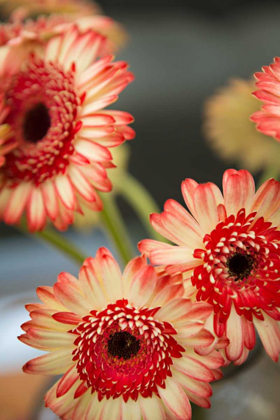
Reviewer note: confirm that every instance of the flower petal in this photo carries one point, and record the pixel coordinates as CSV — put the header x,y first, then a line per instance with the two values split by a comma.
x,y
142,286
234,332
176,400
151,408
207,198
239,190
112,278
53,363
270,336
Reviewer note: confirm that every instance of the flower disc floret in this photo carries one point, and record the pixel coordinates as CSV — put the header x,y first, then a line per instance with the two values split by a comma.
x,y
129,350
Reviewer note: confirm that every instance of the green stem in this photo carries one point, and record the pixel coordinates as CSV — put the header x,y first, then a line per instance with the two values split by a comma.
x,y
141,201
59,242
269,172
113,222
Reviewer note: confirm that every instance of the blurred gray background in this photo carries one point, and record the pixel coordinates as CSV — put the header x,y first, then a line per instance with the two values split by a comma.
x,y
180,52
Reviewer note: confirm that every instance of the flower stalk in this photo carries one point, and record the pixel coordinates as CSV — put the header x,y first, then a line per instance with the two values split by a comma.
x,y
115,227
141,202
57,241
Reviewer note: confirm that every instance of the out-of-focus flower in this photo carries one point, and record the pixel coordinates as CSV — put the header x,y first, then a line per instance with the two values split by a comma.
x,y
229,252
268,83
24,8
230,132
56,17
89,219
56,111
125,344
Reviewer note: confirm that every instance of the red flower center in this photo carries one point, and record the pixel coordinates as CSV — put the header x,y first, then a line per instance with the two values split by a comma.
x,y
43,108
124,351
241,266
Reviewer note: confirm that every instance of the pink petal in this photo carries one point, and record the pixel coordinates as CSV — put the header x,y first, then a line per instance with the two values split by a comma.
x,y
17,202
266,200
53,363
173,310
202,389
152,408
50,199
142,286
131,270
207,198
71,299
92,288
176,400
188,188
65,191
67,381
234,332
239,190
270,335
92,151
36,215
112,277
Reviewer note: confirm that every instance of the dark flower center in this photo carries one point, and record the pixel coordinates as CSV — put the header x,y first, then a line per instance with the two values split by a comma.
x,y
240,265
37,123
123,345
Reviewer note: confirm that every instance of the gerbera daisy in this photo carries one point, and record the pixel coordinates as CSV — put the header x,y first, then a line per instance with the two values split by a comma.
x,y
125,344
268,82
229,251
63,133
230,132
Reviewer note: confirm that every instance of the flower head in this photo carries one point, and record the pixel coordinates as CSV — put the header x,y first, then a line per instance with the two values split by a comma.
x,y
127,345
229,251
56,111
268,82
230,132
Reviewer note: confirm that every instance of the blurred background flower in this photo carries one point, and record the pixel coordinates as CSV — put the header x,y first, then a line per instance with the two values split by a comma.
x,y
24,8
41,19
231,133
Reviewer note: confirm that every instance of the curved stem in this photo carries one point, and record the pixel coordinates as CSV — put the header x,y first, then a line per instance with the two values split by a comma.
x,y
141,201
113,222
59,242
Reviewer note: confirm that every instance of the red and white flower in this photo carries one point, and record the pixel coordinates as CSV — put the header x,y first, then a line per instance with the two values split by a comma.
x,y
228,250
127,345
56,110
268,83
